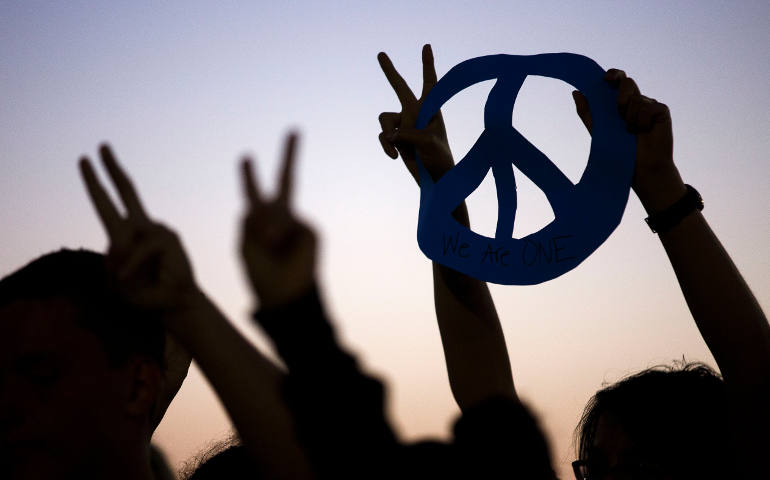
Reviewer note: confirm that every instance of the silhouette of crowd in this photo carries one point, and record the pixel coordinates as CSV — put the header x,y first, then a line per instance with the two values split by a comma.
x,y
94,346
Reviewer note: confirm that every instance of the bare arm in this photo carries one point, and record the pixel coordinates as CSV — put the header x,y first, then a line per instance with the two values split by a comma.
x,y
725,311
735,330
474,346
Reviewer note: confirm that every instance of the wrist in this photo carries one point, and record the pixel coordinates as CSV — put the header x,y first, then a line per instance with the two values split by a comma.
x,y
185,313
279,297
665,220
659,191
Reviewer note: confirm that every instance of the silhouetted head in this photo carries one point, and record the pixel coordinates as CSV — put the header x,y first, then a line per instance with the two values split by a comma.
x,y
665,422
79,370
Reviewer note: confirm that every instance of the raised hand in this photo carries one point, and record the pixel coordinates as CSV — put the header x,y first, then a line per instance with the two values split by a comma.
x,y
399,135
470,329
279,251
147,258
656,179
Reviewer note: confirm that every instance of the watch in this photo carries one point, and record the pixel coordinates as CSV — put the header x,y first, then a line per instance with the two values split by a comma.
x,y
670,217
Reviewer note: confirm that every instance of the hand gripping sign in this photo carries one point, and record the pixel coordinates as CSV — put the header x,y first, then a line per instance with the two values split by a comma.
x,y
585,213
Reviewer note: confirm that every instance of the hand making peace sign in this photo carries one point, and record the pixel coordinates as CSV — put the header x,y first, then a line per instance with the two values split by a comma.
x,y
279,251
398,133
147,258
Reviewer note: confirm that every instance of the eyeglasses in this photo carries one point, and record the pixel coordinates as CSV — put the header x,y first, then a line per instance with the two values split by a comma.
x,y
587,470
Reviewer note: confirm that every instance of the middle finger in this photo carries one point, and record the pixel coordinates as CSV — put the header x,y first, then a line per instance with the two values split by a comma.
x,y
123,185
105,209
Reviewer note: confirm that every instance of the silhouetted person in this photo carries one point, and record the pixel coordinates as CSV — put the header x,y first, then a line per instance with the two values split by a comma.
x,y
339,410
153,273
474,347
81,373
724,309
663,420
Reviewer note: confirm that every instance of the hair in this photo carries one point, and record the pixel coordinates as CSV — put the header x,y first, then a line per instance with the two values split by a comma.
x,y
226,459
677,414
81,278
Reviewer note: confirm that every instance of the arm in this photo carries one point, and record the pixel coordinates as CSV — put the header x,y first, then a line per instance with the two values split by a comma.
x,y
339,411
725,311
153,272
471,335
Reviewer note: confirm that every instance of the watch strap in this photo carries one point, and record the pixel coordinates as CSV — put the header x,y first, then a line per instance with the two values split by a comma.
x,y
670,217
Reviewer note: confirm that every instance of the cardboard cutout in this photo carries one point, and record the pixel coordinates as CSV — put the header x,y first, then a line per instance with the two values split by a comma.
x,y
585,213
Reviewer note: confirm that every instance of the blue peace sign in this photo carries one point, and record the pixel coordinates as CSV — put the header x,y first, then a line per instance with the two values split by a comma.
x,y
585,213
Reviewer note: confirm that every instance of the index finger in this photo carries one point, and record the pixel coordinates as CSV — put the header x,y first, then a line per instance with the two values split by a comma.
x,y
105,209
287,171
403,92
249,182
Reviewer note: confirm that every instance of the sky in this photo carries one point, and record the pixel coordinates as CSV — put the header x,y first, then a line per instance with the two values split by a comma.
x,y
182,89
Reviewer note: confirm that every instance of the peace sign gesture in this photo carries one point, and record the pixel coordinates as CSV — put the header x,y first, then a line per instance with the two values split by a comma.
x,y
279,251
147,258
398,134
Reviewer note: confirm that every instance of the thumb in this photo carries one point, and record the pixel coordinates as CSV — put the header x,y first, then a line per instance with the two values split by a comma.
x,y
581,104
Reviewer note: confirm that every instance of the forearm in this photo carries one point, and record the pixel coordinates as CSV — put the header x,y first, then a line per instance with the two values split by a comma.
x,y
725,311
304,337
250,387
339,410
474,346
731,323
722,305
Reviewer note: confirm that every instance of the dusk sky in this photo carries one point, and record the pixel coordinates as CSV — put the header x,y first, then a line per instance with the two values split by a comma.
x,y
182,89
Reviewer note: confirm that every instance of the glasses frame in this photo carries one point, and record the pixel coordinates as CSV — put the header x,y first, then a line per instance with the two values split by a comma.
x,y
582,470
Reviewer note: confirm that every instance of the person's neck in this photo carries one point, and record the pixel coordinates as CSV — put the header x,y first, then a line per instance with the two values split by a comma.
x,y
130,460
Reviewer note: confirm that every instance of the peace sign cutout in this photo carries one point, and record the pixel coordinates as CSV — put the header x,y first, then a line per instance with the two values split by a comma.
x,y
585,213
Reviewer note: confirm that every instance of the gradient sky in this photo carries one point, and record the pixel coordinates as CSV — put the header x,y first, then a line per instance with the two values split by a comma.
x,y
182,89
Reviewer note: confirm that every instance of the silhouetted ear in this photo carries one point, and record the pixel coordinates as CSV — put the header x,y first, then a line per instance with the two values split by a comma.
x,y
177,364
146,382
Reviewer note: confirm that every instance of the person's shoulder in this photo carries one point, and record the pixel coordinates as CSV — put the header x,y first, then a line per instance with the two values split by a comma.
x,y
501,438
494,414
159,465
426,459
